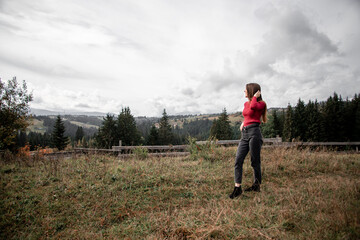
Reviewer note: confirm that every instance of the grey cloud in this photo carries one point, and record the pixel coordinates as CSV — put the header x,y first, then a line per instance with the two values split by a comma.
x,y
291,37
38,13
38,67
45,67
216,82
8,26
219,82
294,38
16,8
119,40
188,92
83,105
355,3
304,38
312,63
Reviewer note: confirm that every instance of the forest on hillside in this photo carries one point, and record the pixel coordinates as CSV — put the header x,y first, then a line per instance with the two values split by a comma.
x,y
335,119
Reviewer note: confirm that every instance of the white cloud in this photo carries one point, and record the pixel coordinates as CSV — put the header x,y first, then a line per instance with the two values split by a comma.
x,y
185,56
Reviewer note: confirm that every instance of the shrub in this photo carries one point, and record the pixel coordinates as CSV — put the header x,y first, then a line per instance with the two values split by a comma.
x,y
208,151
140,153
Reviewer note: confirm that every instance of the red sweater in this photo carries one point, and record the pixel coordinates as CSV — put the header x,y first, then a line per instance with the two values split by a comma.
x,y
253,111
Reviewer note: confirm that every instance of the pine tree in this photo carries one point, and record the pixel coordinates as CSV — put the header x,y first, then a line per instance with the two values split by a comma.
x,y
221,128
165,132
356,131
299,121
79,134
350,127
153,138
314,119
236,131
334,119
282,121
21,139
83,142
342,120
126,128
288,132
214,128
328,123
58,138
267,129
106,136
277,125
39,140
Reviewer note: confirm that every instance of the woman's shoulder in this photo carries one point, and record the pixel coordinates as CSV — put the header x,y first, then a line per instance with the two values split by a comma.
x,y
262,102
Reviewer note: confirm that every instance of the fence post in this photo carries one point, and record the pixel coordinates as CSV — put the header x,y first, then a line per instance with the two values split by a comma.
x,y
120,151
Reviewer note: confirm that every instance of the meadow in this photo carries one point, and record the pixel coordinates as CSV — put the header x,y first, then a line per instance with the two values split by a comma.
x,y
305,195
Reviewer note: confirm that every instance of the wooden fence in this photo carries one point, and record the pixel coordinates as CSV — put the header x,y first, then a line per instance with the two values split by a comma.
x,y
163,150
182,150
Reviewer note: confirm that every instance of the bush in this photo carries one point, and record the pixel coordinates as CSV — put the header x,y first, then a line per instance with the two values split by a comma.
x,y
208,151
140,153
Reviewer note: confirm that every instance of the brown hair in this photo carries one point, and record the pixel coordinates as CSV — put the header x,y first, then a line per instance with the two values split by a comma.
x,y
251,89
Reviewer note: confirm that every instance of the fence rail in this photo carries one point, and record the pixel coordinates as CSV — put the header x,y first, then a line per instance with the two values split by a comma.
x,y
319,144
182,150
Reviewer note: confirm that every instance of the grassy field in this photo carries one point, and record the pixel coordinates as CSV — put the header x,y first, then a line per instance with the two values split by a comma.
x,y
304,195
37,126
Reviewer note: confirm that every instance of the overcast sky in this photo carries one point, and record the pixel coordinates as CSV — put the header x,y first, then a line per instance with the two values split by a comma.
x,y
187,56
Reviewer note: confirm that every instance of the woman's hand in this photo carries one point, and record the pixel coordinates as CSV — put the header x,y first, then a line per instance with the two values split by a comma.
x,y
241,126
257,94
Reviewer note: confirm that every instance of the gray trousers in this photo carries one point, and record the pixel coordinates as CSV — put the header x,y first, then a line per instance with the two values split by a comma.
x,y
251,140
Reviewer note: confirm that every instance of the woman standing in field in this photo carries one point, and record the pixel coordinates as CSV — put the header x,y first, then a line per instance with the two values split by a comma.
x,y
251,138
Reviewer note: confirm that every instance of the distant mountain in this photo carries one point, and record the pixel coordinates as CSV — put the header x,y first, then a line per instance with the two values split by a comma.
x,y
43,112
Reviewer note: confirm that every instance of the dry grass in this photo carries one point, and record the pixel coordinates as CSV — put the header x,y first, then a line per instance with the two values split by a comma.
x,y
304,195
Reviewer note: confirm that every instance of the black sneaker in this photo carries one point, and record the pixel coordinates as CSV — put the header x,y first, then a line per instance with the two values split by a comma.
x,y
254,187
237,192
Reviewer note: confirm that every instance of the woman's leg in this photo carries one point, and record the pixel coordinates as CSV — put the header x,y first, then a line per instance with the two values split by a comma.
x,y
241,153
255,149
242,150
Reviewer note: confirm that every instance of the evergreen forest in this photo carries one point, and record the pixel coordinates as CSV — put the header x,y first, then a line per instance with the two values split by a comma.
x,y
335,119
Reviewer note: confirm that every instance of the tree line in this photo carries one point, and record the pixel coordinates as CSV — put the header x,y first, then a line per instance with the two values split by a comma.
x,y
332,120
124,129
335,119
